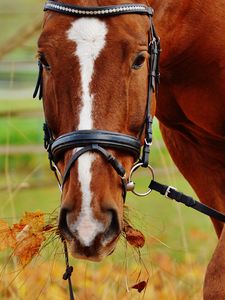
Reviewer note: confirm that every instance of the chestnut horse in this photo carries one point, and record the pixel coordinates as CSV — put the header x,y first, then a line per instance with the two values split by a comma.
x,y
95,77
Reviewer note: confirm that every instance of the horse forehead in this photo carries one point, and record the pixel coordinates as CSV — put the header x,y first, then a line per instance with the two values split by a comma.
x,y
89,35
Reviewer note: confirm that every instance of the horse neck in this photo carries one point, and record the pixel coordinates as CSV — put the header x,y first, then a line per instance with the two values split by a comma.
x,y
179,24
192,63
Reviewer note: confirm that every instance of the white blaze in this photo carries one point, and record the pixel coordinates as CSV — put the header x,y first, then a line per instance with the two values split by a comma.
x,y
89,35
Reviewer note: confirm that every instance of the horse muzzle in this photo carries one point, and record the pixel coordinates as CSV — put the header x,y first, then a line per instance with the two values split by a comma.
x,y
87,238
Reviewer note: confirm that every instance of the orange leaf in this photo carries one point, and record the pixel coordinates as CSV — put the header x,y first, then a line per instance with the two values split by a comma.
x,y
28,247
26,237
4,235
34,219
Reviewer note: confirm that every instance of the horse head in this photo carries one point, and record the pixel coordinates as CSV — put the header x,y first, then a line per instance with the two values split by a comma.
x,y
95,86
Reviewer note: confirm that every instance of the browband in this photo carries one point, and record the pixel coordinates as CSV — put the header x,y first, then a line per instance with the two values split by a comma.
x,y
74,10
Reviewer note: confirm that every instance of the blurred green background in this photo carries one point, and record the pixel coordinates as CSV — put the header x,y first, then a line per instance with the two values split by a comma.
x,y
176,236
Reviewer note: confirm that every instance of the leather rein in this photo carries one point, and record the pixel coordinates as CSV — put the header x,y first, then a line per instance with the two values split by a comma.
x,y
98,140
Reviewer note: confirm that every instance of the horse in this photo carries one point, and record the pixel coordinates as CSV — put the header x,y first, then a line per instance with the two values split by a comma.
x,y
95,79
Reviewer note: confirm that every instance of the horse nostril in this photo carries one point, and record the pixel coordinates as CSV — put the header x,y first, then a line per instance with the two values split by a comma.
x,y
114,226
62,226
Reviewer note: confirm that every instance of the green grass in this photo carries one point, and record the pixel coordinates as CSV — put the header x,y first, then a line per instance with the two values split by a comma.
x,y
167,218
19,105
17,162
21,130
19,76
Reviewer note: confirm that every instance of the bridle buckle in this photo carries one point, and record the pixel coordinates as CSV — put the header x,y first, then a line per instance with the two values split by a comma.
x,y
148,143
168,190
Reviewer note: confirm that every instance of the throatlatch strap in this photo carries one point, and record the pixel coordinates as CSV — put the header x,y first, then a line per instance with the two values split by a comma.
x,y
172,193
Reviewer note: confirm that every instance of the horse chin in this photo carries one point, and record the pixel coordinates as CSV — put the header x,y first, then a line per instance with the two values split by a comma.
x,y
92,253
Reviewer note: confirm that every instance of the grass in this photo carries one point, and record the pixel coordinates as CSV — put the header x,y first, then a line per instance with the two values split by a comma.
x,y
21,130
177,247
21,123
19,76
19,105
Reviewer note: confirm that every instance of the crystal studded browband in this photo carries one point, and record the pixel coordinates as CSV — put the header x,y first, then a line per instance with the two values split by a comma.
x,y
74,10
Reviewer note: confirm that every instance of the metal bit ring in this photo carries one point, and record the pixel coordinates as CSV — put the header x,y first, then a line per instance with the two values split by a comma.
x,y
135,167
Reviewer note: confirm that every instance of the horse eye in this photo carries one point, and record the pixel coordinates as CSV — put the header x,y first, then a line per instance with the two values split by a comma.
x,y
138,62
44,61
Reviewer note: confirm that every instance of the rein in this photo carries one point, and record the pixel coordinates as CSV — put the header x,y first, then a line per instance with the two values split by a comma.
x,y
172,193
98,140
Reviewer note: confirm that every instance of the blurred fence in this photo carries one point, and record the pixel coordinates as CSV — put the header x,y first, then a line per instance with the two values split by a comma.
x,y
20,24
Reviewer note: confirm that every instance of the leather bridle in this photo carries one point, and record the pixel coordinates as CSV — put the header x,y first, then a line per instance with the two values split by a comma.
x,y
99,140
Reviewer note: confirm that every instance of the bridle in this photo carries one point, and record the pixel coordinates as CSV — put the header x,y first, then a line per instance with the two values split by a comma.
x,y
100,140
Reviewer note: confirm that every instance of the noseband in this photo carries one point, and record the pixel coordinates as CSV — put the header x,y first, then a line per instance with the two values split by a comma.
x,y
98,140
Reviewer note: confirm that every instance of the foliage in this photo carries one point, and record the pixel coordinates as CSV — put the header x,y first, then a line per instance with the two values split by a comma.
x,y
25,237
138,275
165,280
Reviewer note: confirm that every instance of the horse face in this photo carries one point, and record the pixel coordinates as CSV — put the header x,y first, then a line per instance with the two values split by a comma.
x,y
95,77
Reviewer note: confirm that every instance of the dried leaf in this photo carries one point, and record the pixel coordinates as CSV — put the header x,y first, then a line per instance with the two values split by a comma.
x,y
134,237
26,237
28,247
4,234
34,219
140,286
